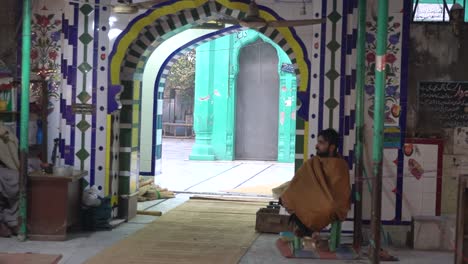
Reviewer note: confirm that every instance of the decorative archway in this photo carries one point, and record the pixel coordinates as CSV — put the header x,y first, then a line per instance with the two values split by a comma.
x,y
146,32
159,84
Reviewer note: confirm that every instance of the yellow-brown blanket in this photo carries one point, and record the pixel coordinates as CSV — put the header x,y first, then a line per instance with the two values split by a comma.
x,y
319,193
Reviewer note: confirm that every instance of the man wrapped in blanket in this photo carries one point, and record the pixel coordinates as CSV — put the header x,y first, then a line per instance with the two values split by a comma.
x,y
320,191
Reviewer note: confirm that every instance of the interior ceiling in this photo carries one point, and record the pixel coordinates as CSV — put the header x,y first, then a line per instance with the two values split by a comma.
x,y
263,2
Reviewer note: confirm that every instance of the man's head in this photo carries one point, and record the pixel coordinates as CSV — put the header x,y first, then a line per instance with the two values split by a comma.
x,y
327,143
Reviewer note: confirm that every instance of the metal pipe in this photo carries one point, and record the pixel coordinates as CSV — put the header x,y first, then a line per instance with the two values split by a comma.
x,y
24,118
360,82
446,9
379,104
414,10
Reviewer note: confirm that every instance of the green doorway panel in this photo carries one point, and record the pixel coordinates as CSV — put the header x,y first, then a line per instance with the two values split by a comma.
x,y
217,69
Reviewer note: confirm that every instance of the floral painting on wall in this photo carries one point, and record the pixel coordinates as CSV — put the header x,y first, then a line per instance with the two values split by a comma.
x,y
45,51
392,70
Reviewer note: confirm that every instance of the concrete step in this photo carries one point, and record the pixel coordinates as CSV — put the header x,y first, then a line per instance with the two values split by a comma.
x,y
434,232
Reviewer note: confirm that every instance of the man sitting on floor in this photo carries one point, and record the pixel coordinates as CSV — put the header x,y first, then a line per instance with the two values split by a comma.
x,y
320,191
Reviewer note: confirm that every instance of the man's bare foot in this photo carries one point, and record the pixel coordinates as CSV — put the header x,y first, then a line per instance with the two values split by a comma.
x,y
384,255
316,236
4,231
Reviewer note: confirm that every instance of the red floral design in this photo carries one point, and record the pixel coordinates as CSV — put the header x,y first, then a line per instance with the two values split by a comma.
x,y
53,55
43,21
34,54
370,57
45,52
390,58
389,63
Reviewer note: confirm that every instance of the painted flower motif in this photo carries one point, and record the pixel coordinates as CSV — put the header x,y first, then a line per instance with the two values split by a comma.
x,y
394,39
391,90
53,55
370,38
370,57
55,36
369,89
34,54
396,25
57,22
43,21
390,58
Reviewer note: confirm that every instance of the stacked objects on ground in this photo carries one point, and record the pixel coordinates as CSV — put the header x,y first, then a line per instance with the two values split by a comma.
x,y
149,191
97,217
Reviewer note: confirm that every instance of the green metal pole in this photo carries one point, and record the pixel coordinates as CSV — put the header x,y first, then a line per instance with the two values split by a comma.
x,y
24,117
360,82
379,103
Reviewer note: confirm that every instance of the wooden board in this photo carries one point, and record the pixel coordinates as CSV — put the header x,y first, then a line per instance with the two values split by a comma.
x,y
29,258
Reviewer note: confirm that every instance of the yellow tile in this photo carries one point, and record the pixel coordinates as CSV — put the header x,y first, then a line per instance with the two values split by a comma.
x,y
136,113
135,137
136,90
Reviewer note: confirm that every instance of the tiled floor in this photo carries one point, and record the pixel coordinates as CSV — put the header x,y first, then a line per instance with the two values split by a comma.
x,y
182,175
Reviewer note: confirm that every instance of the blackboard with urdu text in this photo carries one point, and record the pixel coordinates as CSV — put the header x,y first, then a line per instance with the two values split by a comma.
x,y
445,103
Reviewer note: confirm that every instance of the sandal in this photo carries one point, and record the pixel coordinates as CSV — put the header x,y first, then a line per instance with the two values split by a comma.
x,y
384,255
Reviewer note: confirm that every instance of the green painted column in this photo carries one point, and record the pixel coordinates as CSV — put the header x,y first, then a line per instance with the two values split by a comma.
x,y
377,150
203,104
24,119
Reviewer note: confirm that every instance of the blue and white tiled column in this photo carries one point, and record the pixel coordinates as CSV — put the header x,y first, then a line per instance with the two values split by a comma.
x,y
85,80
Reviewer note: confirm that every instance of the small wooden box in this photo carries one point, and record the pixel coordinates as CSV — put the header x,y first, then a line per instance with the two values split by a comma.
x,y
270,221
53,205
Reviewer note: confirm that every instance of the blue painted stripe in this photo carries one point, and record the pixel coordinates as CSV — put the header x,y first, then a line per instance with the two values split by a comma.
x,y
351,159
73,37
352,113
352,118
384,222
354,38
403,102
92,173
348,85
343,74
73,41
322,66
346,125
